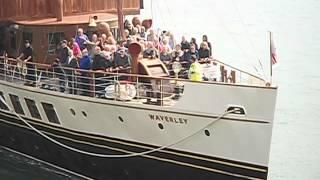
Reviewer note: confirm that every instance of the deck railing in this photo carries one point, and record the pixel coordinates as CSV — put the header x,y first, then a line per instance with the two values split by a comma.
x,y
117,84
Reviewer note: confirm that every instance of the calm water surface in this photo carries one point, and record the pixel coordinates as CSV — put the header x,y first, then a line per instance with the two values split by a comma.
x,y
238,31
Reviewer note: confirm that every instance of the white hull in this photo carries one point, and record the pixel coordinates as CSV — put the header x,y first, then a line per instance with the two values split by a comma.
x,y
243,138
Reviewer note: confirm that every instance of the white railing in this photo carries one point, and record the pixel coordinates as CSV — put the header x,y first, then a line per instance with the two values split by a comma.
x,y
115,85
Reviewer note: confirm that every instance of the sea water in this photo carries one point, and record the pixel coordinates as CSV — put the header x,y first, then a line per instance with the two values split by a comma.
x,y
238,31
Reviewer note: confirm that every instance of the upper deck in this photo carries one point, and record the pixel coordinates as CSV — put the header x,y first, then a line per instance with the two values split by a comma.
x,y
121,85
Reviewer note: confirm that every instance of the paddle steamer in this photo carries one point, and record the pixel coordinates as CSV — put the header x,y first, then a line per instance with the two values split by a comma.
x,y
147,125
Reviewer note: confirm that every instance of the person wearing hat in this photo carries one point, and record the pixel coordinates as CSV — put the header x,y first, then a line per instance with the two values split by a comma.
x,y
27,57
195,72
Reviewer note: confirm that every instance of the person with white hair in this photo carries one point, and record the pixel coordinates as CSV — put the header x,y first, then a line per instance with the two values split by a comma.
x,y
81,39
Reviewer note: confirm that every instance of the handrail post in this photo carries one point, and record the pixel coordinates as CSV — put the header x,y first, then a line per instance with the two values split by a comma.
x,y
5,67
72,81
137,85
94,84
115,87
36,75
161,92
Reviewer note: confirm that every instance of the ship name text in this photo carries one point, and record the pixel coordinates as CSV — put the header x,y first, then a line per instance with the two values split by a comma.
x,y
168,119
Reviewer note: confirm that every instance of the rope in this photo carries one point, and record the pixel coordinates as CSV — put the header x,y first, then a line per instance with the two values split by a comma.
x,y
108,155
233,39
248,38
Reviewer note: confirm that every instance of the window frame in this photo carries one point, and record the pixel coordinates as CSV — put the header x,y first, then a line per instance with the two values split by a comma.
x,y
49,109
33,108
2,105
54,39
16,103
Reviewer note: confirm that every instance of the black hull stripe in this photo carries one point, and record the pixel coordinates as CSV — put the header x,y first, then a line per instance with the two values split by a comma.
x,y
137,144
186,164
85,99
201,164
47,163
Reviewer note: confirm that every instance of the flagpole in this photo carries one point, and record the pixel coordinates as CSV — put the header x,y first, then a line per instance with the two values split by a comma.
x,y
270,36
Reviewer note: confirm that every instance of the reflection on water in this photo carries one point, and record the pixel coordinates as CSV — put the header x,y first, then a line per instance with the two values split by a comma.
x,y
17,167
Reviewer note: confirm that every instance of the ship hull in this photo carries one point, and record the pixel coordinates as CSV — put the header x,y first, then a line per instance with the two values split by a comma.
x,y
168,164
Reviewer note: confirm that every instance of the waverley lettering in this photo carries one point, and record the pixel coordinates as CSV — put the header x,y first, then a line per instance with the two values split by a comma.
x,y
168,119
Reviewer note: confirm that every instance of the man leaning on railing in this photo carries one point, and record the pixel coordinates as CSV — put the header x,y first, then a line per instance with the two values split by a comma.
x,y
27,58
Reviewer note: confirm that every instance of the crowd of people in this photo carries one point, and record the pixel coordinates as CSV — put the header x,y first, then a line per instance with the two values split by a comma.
x,y
100,52
106,54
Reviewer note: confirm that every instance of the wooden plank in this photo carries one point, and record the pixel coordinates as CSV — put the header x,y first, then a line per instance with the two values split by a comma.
x,y
67,5
28,9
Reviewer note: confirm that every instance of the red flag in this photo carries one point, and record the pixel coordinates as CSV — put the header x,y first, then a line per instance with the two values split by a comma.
x,y
273,52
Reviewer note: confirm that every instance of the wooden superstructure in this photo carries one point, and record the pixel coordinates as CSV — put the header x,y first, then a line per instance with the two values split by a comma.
x,y
46,22
32,9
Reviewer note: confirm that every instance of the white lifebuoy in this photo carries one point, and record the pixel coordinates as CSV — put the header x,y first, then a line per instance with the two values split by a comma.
x,y
123,92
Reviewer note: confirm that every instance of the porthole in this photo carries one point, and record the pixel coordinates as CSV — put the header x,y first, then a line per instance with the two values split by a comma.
x,y
73,112
160,126
207,132
120,119
84,114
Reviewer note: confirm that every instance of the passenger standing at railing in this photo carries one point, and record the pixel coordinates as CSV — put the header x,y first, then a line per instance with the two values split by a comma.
x,y
177,53
187,56
59,74
99,66
165,56
71,70
122,61
85,65
150,52
27,57
205,39
195,72
204,51
63,55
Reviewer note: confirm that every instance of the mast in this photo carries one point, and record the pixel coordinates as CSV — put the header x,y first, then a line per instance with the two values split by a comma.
x,y
120,18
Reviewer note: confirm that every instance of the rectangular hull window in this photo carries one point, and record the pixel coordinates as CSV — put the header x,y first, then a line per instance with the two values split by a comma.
x,y
16,104
33,108
51,113
2,105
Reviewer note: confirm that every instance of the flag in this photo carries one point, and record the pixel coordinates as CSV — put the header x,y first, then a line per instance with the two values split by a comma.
x,y
273,51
